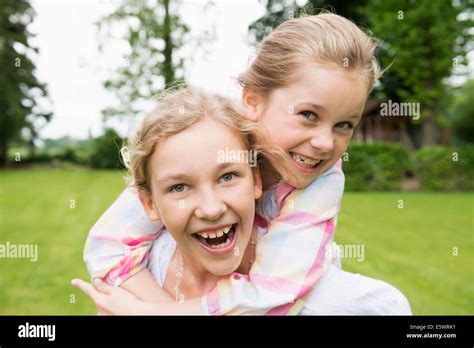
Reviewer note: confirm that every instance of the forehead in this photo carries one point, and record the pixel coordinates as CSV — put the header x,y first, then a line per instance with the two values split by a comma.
x,y
333,88
196,148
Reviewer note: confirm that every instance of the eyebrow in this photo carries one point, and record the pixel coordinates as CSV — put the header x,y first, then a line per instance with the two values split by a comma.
x,y
314,106
163,179
355,116
175,177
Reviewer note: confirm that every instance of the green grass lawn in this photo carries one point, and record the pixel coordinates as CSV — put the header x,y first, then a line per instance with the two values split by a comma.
x,y
411,248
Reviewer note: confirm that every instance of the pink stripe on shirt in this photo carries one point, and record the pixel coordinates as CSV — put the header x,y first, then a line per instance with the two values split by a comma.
x,y
299,218
313,274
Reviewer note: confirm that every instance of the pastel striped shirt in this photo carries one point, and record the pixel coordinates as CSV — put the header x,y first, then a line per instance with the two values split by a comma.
x,y
290,256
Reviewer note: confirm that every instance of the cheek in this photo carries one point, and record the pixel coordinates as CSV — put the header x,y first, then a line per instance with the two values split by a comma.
x,y
342,142
287,133
242,202
174,215
273,120
245,201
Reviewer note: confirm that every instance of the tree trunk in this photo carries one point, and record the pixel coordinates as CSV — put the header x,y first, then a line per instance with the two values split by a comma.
x,y
429,129
168,50
446,137
405,136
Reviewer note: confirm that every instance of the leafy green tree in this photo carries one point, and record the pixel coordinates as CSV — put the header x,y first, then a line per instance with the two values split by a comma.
x,y
154,33
278,11
106,151
423,40
19,88
463,113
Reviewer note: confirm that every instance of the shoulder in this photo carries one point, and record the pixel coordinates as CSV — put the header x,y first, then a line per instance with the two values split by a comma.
x,y
328,188
323,194
161,254
332,180
345,293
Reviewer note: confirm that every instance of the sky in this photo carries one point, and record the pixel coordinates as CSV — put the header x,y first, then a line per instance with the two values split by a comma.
x,y
74,69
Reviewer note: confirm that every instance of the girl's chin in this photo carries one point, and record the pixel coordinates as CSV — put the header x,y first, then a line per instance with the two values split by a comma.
x,y
224,268
301,181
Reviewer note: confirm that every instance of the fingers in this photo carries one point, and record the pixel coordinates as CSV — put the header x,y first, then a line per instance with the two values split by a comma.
x,y
85,287
89,290
102,286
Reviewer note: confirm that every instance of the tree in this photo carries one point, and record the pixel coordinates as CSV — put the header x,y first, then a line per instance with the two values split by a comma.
x,y
420,39
463,113
278,11
20,90
106,151
154,33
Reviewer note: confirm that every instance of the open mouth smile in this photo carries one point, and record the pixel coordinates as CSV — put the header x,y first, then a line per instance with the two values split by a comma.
x,y
304,163
219,241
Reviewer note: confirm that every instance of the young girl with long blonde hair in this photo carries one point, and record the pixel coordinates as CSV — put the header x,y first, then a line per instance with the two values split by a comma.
x,y
306,91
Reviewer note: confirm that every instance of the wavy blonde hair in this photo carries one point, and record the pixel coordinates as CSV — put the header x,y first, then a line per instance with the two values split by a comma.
x,y
178,109
325,39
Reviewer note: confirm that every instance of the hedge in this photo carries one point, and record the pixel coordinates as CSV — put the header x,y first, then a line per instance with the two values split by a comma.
x,y
443,169
378,166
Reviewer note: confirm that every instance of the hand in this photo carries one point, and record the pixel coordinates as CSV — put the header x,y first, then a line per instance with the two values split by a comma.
x,y
109,300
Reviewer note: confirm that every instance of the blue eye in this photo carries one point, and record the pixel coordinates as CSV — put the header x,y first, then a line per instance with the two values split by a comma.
x,y
345,125
228,176
308,114
178,188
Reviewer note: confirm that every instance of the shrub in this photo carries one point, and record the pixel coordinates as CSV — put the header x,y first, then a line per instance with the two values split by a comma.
x,y
376,166
106,151
435,167
442,168
465,171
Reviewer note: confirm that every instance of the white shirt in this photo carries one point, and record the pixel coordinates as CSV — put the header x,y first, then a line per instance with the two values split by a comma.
x,y
337,293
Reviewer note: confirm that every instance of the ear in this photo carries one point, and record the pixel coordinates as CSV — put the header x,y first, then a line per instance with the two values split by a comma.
x,y
257,179
252,104
148,205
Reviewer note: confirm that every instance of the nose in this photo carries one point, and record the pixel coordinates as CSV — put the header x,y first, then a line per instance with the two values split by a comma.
x,y
210,206
323,140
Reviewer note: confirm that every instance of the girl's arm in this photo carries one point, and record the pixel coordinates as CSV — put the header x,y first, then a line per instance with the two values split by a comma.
x,y
145,288
189,307
113,300
117,249
291,257
118,244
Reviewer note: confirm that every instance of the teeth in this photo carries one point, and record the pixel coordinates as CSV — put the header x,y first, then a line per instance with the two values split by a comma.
x,y
305,160
215,234
222,245
203,234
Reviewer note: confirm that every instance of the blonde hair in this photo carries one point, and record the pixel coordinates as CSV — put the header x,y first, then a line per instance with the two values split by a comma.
x,y
178,109
325,39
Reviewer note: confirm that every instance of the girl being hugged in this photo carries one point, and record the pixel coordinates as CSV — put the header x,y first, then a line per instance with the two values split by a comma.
x,y
305,91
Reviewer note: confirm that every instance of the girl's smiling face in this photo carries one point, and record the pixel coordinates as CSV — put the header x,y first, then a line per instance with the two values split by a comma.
x,y
207,206
312,119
